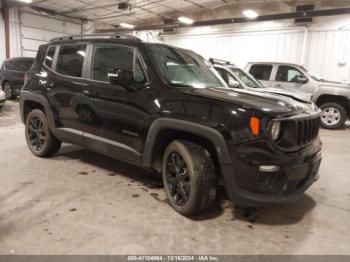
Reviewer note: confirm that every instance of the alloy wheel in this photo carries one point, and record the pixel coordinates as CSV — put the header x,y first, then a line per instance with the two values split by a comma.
x,y
36,134
178,179
330,116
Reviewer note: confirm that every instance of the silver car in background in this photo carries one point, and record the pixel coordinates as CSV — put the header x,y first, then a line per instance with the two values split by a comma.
x,y
238,78
332,98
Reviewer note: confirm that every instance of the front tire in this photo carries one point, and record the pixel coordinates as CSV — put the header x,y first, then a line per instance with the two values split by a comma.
x,y
38,136
333,116
189,177
9,92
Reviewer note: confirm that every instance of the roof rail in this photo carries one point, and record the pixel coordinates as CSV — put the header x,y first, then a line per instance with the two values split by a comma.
x,y
220,62
99,36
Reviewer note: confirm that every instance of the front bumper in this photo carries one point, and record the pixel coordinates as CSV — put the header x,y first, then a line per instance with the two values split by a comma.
x,y
246,185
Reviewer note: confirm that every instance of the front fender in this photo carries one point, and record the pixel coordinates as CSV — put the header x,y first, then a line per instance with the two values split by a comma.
x,y
180,125
211,134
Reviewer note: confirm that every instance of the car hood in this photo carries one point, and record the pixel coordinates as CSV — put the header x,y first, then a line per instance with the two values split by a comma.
x,y
294,94
265,102
334,84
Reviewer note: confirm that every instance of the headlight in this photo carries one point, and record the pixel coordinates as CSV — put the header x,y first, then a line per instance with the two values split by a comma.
x,y
275,130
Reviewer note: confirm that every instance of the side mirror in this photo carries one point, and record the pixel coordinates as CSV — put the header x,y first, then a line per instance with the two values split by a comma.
x,y
302,79
123,78
233,83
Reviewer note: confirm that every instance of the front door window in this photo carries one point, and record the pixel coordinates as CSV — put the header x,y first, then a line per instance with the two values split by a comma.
x,y
288,74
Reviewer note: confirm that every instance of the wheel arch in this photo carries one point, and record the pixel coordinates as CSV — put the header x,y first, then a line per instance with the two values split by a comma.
x,y
31,101
164,130
341,100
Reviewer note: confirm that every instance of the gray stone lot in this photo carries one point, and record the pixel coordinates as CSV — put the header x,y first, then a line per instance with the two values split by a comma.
x,y
80,202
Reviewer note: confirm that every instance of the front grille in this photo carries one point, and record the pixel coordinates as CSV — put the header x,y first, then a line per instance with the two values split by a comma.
x,y
298,132
307,130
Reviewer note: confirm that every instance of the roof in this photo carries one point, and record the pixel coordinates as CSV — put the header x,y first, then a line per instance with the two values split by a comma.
x,y
20,58
96,40
272,63
106,38
225,66
96,36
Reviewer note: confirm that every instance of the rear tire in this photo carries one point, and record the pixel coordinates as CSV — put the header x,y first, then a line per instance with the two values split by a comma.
x,y
333,116
189,177
38,136
10,93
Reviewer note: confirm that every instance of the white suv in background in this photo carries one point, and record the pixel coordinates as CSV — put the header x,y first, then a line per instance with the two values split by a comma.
x,y
2,99
238,78
332,97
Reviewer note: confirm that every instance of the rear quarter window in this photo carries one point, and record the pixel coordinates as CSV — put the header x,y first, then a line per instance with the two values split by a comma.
x,y
261,72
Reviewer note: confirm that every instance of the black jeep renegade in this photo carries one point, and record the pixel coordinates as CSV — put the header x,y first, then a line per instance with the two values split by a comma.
x,y
166,109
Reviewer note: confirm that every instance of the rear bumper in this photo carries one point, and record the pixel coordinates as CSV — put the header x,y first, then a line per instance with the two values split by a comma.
x,y
246,185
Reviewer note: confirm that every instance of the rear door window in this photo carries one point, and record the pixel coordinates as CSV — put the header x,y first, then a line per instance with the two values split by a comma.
x,y
70,60
261,72
49,56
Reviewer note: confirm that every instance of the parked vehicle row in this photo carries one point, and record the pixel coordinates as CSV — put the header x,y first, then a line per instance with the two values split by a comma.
x,y
333,98
238,78
168,110
12,73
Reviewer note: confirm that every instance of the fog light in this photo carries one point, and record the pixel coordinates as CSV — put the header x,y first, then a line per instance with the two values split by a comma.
x,y
269,168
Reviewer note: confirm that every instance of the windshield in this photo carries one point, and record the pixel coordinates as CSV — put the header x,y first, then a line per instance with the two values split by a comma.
x,y
247,79
184,68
